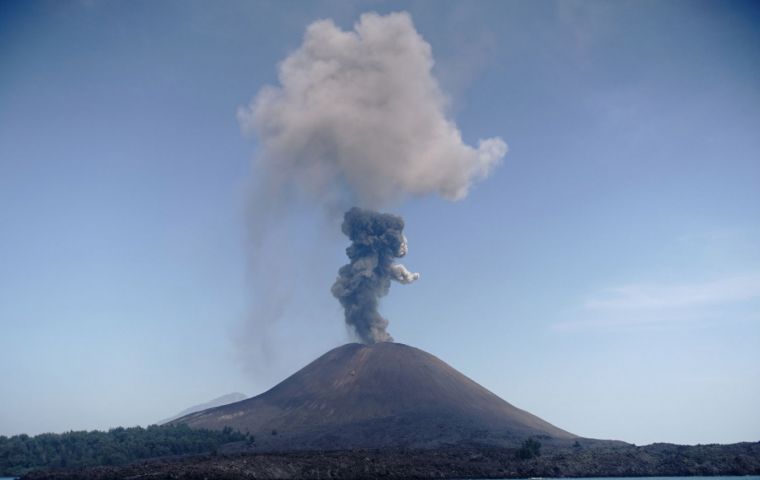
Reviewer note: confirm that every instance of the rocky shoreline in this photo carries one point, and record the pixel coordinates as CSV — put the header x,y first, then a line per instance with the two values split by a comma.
x,y
459,462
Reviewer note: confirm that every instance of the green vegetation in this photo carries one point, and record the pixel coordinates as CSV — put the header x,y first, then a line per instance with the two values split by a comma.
x,y
529,449
22,453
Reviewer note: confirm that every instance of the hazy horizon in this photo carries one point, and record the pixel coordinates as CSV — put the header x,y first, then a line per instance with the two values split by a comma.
x,y
604,276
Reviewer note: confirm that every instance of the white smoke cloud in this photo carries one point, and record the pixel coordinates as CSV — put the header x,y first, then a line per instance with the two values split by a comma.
x,y
399,272
402,275
403,249
359,118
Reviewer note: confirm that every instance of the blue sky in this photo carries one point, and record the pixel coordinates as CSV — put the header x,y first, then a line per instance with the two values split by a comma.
x,y
605,277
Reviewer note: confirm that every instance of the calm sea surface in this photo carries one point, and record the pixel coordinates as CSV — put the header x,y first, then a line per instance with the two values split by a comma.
x,y
743,477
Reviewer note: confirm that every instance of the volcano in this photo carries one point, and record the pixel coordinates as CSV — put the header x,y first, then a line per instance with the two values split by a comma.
x,y
375,396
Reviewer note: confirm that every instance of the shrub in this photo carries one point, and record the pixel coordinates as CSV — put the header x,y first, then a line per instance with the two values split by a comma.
x,y
529,449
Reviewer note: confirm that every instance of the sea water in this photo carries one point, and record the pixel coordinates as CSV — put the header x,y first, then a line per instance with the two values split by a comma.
x,y
742,477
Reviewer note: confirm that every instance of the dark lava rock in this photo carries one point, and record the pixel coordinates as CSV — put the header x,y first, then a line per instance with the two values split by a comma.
x,y
464,462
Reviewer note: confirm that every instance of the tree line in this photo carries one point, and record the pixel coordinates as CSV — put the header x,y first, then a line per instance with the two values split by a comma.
x,y
21,453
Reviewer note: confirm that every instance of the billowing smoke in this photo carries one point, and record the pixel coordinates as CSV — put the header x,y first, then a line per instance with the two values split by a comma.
x,y
358,118
377,239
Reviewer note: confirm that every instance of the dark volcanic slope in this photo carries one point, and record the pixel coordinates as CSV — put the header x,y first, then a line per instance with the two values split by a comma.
x,y
387,394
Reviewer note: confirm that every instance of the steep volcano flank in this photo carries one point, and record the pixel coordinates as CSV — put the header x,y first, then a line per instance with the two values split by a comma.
x,y
386,394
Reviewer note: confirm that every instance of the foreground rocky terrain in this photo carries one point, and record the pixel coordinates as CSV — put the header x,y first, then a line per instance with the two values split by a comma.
x,y
462,462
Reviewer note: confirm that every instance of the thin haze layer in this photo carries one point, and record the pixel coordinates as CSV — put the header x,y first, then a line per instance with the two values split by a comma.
x,y
358,117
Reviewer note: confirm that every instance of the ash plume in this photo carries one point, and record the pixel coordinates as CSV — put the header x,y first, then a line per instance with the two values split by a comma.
x,y
377,239
359,119
356,117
